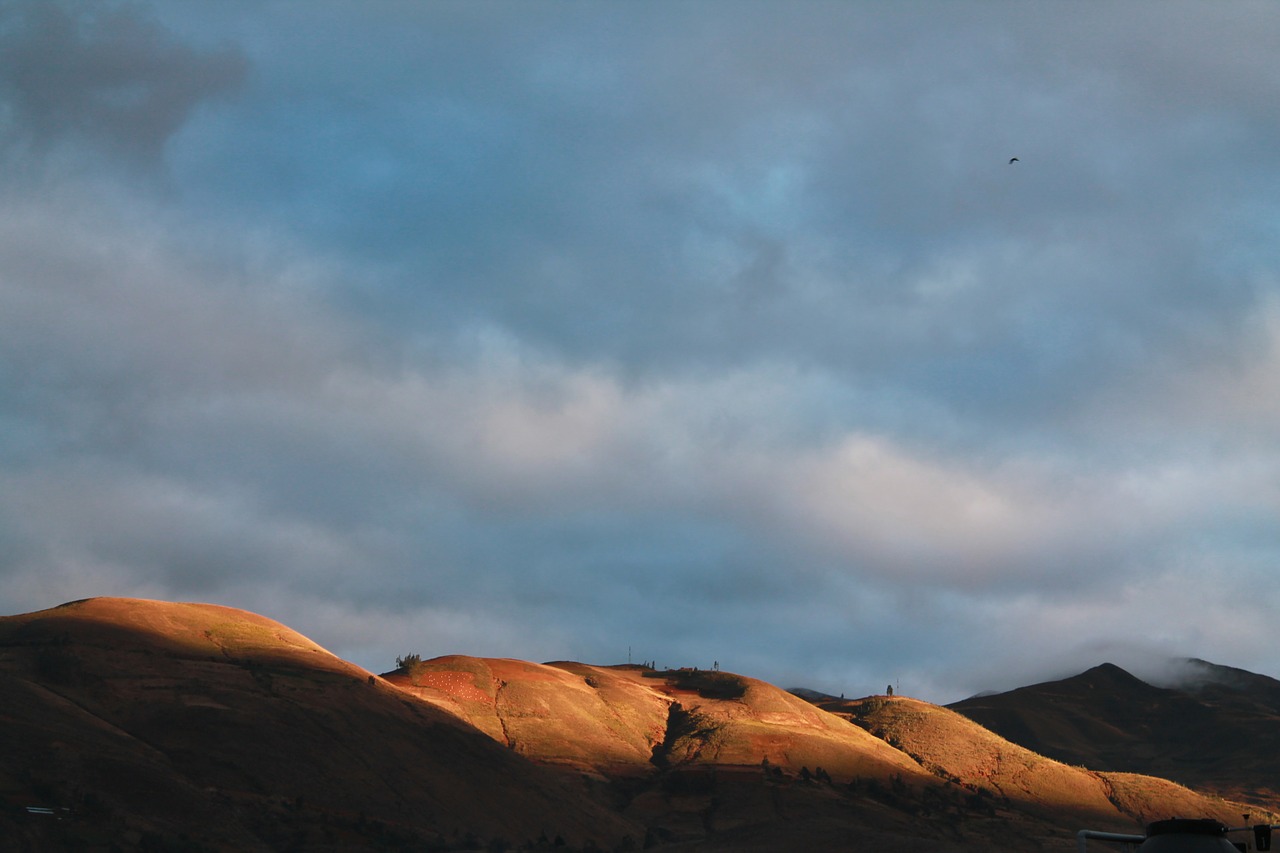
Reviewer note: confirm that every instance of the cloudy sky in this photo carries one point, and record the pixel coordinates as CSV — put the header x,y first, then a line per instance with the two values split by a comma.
x,y
691,331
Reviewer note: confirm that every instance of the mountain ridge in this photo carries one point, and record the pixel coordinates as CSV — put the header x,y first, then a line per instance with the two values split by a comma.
x,y
156,723
1208,726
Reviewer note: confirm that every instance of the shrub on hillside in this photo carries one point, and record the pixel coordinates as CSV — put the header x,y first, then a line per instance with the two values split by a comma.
x,y
410,665
709,684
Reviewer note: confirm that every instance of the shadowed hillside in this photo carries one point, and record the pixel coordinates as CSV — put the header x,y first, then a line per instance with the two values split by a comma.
x,y
1218,730
157,722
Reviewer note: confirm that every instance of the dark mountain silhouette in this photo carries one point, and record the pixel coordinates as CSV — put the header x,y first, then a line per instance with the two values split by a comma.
x,y
1212,727
137,725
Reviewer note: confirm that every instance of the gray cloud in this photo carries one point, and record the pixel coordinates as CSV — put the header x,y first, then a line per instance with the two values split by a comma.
x,y
711,197
105,77
548,331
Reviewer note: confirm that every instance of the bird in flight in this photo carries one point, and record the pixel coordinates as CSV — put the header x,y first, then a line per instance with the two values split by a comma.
x,y
1013,160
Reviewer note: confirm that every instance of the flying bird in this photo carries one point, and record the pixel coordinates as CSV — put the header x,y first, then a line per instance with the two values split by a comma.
x,y
1013,160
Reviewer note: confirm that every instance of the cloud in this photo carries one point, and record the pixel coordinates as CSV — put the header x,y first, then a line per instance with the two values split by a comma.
x,y
188,436
108,80
736,339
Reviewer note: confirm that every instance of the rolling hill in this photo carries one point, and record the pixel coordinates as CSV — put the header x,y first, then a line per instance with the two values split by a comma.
x,y
956,748
158,722
147,725
627,719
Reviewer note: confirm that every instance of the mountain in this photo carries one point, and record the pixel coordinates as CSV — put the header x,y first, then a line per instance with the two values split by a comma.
x,y
1211,727
146,725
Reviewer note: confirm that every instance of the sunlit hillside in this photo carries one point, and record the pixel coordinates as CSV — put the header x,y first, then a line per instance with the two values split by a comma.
x,y
954,747
626,717
145,725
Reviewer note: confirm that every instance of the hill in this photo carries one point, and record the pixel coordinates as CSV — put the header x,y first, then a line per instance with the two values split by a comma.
x,y
956,748
626,719
159,723
1212,727
146,725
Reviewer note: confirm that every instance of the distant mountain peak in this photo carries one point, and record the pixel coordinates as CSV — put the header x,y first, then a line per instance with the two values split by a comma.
x,y
1110,670
1107,668
1198,722
1108,676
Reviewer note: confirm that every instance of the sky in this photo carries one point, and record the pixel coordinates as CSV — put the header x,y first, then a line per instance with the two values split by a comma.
x,y
683,331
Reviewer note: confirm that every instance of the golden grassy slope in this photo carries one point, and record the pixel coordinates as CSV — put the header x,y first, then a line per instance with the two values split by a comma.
x,y
954,747
590,719
628,719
